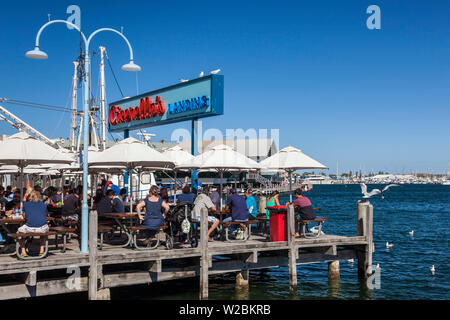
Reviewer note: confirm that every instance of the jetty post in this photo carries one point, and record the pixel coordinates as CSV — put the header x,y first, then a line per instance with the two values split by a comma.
x,y
93,267
293,250
204,259
364,227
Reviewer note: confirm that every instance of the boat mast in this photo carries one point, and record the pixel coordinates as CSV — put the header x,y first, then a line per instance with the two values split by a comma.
x,y
103,96
74,106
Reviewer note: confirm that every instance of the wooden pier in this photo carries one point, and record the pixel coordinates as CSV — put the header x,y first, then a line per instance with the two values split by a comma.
x,y
100,270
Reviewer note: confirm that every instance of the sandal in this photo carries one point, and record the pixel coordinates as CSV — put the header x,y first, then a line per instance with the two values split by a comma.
x,y
210,240
23,255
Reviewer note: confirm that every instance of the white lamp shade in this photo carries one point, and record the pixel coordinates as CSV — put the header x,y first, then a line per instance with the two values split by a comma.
x,y
131,67
36,54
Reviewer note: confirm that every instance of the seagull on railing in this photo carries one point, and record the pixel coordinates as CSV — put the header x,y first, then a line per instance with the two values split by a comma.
x,y
183,80
215,71
201,74
375,191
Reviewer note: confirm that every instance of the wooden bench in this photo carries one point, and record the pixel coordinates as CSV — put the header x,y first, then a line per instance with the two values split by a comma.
x,y
101,230
304,223
18,236
136,229
65,232
246,226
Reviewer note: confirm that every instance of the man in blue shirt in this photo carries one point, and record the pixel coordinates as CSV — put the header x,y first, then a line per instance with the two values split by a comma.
x,y
251,203
238,207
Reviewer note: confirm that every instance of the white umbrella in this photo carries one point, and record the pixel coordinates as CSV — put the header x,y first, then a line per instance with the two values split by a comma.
x,y
131,153
221,158
22,150
290,159
178,155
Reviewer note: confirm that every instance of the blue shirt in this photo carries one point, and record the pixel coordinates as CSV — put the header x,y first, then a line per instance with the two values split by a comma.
x,y
238,207
186,197
35,213
251,202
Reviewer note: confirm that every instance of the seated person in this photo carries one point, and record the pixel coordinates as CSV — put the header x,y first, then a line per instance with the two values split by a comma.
x,y
251,203
35,212
13,204
204,201
153,218
164,194
104,205
186,196
117,204
239,212
272,201
71,207
303,207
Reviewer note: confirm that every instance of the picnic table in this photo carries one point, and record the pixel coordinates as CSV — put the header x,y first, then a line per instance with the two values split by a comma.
x,y
120,220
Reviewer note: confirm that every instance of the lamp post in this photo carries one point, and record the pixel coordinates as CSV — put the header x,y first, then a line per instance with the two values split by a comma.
x,y
131,66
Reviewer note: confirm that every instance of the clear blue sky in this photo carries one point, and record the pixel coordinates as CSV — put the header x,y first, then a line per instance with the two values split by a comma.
x,y
370,99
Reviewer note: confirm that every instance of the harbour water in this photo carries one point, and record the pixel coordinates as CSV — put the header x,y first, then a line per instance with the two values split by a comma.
x,y
405,267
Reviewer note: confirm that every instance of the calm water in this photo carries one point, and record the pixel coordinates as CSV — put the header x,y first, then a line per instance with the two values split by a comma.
x,y
404,268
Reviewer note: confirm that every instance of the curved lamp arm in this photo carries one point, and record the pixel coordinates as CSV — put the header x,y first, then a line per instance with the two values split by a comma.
x,y
58,21
115,31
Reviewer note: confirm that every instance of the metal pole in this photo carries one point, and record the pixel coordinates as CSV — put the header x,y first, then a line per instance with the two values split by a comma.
x,y
74,106
126,134
194,151
103,96
85,208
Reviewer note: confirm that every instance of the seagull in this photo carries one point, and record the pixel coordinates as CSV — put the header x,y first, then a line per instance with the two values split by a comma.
x,y
183,80
432,269
316,231
215,71
201,74
377,266
351,260
374,191
411,233
389,245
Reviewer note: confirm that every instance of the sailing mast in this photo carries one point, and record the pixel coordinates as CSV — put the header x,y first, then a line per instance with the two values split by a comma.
x,y
74,106
103,96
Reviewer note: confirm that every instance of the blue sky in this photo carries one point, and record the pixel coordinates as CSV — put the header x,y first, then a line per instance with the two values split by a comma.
x,y
370,99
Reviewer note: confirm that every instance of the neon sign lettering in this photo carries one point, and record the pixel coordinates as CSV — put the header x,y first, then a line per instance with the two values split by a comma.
x,y
146,109
189,105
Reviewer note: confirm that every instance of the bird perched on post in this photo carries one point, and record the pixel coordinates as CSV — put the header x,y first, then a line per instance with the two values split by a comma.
x,y
367,195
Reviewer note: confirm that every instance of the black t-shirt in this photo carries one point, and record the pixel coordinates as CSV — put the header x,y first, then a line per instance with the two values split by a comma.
x,y
71,205
11,205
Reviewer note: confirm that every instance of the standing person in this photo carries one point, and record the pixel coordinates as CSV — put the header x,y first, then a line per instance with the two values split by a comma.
x,y
239,212
186,196
103,183
35,212
112,186
303,207
153,217
251,203
272,201
215,197
204,201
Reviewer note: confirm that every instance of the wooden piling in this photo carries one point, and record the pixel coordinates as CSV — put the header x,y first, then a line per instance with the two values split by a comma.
x,y
204,259
293,250
93,263
333,270
262,205
364,227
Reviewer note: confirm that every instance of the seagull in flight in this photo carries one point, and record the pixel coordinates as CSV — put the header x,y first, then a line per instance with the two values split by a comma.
x,y
375,191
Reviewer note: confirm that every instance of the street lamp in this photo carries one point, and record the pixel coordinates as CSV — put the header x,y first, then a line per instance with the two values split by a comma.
x,y
131,66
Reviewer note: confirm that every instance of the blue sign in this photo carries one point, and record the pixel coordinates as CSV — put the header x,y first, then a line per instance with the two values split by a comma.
x,y
198,98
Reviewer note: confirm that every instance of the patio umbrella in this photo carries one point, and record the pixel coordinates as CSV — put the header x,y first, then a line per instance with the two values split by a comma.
x,y
22,150
131,153
220,158
178,155
290,159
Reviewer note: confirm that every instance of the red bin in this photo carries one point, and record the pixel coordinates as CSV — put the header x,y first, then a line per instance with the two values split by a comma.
x,y
278,225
